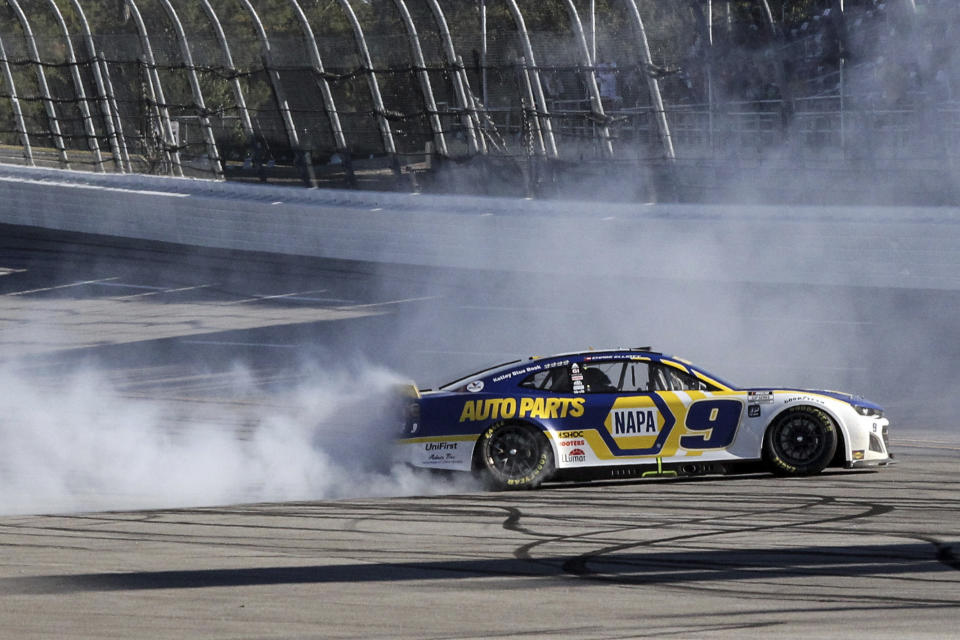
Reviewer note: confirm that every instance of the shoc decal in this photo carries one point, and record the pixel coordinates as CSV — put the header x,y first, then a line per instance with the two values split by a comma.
x,y
506,408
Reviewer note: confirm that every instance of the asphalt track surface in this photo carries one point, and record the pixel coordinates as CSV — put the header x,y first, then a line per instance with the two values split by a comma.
x,y
843,554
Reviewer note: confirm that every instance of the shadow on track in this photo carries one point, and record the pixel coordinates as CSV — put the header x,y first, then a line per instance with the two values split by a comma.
x,y
649,568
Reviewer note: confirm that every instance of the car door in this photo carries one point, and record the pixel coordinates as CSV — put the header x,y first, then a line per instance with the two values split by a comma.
x,y
705,423
637,422
655,410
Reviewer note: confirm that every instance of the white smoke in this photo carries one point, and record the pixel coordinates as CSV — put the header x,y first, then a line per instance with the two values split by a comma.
x,y
81,443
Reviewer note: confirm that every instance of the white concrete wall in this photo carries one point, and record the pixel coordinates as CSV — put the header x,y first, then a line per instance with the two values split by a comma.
x,y
871,246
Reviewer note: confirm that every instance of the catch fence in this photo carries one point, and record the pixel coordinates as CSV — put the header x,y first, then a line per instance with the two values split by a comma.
x,y
355,92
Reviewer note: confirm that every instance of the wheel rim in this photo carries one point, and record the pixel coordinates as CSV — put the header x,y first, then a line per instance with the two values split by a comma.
x,y
799,440
513,452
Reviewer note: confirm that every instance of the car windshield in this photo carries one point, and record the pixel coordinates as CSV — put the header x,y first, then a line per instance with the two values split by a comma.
x,y
614,376
619,376
716,379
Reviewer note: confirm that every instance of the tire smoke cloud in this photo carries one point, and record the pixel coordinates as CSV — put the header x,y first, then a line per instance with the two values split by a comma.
x,y
82,444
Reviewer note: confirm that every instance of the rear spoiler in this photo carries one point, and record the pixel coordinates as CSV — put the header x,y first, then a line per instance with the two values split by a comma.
x,y
406,396
407,390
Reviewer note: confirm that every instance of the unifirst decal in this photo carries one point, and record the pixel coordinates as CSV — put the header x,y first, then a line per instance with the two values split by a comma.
x,y
506,408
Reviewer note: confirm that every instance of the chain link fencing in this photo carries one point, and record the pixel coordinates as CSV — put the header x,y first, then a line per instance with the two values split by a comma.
x,y
653,99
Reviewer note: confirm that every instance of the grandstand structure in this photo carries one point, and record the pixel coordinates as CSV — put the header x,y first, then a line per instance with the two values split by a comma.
x,y
676,99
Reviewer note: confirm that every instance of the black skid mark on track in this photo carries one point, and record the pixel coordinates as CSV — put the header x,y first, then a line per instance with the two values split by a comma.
x,y
946,556
578,565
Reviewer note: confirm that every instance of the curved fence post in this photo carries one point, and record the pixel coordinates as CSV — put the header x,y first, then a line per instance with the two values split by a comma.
x,y
213,154
245,121
653,84
114,134
15,105
78,87
115,109
425,88
282,105
48,104
590,76
469,118
384,125
339,140
160,102
533,73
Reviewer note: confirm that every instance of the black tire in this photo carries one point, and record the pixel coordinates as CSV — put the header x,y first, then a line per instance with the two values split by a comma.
x,y
515,456
800,442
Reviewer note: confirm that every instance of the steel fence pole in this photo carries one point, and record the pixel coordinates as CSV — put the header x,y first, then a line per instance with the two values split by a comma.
x,y
45,96
213,153
382,123
458,75
114,135
15,105
533,73
273,77
425,88
245,121
339,140
653,85
166,128
111,96
78,87
590,76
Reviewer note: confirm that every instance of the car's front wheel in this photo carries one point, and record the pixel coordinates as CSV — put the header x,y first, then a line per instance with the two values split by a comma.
x,y
800,442
515,456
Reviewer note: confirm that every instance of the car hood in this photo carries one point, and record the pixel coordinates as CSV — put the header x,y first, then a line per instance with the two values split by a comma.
x,y
849,398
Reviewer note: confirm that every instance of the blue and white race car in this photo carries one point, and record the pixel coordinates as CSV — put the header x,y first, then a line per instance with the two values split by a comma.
x,y
632,412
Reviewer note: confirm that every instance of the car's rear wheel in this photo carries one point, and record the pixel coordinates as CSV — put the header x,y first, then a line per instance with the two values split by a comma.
x,y
800,442
515,456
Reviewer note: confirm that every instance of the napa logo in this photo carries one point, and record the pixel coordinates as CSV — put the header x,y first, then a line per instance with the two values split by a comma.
x,y
643,421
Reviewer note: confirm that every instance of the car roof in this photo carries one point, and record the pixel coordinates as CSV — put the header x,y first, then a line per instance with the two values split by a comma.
x,y
506,366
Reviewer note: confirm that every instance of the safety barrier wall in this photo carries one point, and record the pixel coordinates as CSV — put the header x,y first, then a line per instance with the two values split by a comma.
x,y
857,246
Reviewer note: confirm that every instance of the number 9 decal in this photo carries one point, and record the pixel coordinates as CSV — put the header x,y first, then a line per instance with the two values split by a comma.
x,y
719,420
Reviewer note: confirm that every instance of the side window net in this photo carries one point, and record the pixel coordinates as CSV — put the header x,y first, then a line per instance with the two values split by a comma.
x,y
555,379
597,380
670,379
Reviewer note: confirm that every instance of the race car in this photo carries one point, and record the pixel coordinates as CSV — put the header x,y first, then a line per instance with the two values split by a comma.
x,y
631,412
